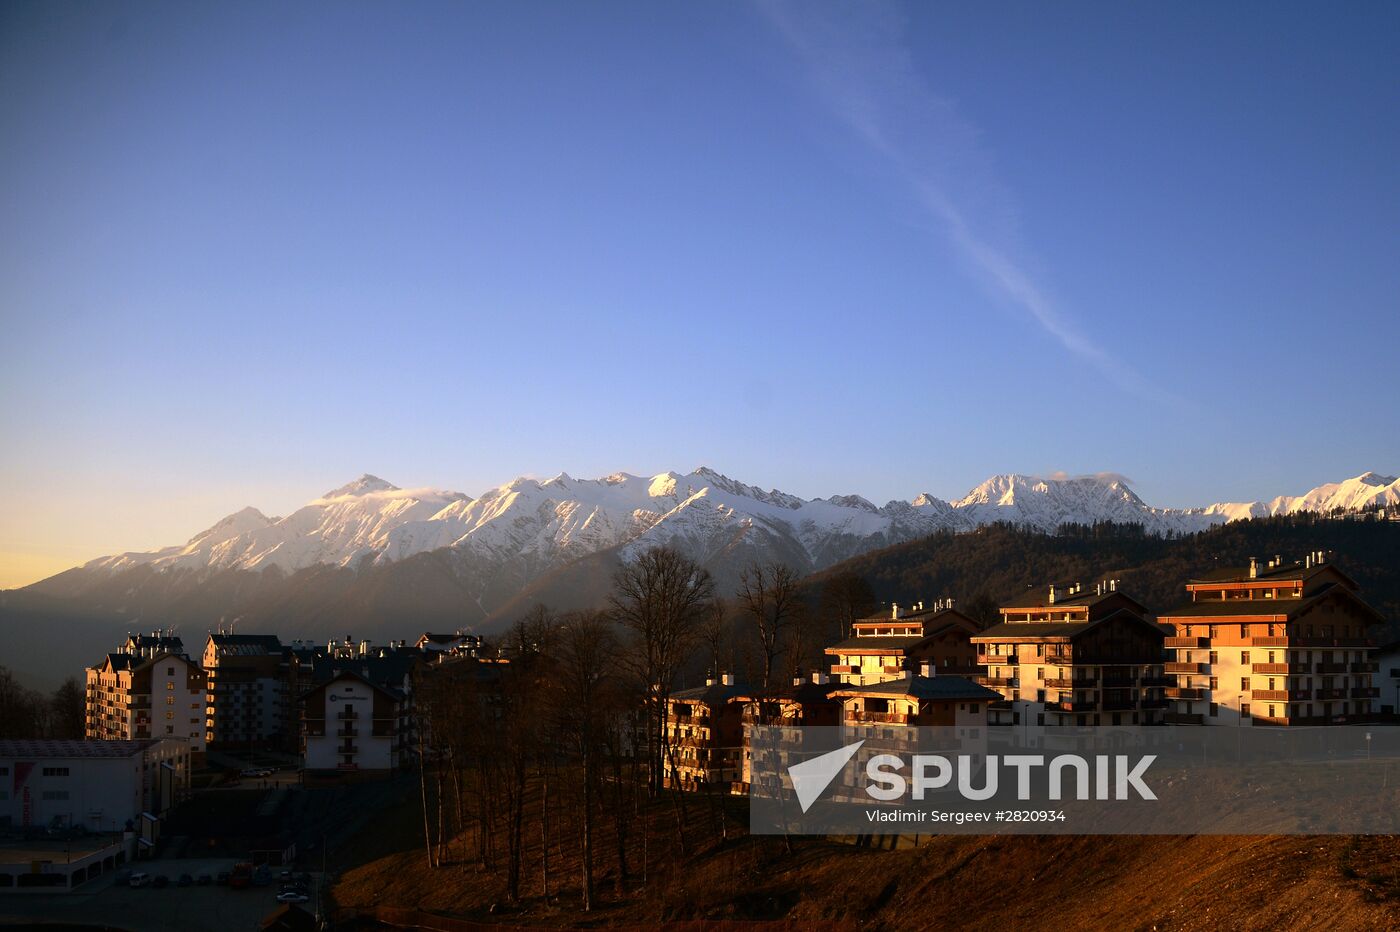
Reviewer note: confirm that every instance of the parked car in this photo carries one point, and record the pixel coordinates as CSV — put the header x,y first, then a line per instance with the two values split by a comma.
x,y
185,880
160,880
292,896
140,879
204,880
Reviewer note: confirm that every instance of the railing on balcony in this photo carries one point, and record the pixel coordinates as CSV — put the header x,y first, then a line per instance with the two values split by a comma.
x,y
1059,657
348,733
1155,703
690,719
1069,682
1066,705
347,715
348,747
1187,642
1185,692
1006,660
1279,668
1330,668
1119,705
844,668
1157,681
1273,641
892,669
998,680
1365,692
882,718
1331,693
1184,718
1185,667
1280,695
1365,666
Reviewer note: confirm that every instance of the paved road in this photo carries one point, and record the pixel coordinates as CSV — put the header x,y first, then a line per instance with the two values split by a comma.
x,y
172,909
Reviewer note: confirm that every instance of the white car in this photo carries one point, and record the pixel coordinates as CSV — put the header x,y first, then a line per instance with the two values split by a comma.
x,y
140,879
292,896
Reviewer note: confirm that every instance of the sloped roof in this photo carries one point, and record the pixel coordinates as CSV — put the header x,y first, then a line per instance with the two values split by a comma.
x,y
1060,630
55,748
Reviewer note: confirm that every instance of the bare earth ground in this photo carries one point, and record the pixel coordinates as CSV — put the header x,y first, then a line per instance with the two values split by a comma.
x,y
967,882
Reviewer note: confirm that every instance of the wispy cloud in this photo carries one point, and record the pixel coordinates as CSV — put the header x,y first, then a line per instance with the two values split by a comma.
x,y
858,57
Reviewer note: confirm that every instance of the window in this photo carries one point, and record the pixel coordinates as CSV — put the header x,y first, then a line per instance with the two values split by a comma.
x,y
169,700
169,714
1214,709
169,685
170,671
1214,657
1244,684
1244,656
56,772
1244,710
1215,682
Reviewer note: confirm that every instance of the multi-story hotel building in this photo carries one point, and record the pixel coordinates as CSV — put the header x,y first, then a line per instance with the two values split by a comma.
x,y
922,699
1066,655
351,727
885,647
806,703
1273,644
705,731
249,701
146,691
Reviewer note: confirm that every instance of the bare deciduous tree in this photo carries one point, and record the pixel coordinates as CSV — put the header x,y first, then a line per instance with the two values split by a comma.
x,y
768,592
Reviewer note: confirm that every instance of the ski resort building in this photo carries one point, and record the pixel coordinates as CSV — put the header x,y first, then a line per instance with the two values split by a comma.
x,y
705,730
1067,655
889,646
1273,644
148,689
250,702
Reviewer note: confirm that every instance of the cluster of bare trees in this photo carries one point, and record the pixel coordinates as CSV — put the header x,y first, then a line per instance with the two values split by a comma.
x,y
27,713
531,758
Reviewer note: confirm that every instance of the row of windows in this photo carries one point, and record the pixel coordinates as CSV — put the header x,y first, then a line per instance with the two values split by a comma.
x,y
55,771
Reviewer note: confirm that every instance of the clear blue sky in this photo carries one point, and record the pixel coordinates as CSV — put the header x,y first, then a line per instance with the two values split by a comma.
x,y
249,251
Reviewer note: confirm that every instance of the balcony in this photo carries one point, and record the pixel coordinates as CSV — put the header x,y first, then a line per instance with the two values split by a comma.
x,y
1282,669
1274,642
1184,718
1067,682
1059,657
844,668
1331,693
1185,692
349,747
1183,642
1365,692
877,718
1119,705
1365,666
892,670
1006,660
998,680
1280,695
1121,682
690,719
1185,667
1157,681
347,715
1072,705
1330,668
1155,703
347,732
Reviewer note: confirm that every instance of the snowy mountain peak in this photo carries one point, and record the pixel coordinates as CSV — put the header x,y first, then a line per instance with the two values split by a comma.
x,y
362,486
521,530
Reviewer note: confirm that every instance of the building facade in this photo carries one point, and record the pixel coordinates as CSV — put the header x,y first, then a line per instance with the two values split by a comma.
x,y
1071,656
249,702
351,727
885,647
1273,644
143,692
705,732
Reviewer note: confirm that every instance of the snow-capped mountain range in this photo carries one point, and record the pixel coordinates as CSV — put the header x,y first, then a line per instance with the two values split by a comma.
x,y
536,525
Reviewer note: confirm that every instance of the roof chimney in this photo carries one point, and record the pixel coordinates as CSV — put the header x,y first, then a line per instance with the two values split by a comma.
x,y
948,603
709,679
1253,567
926,669
819,677
1052,593
1322,556
727,679
1113,585
894,609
